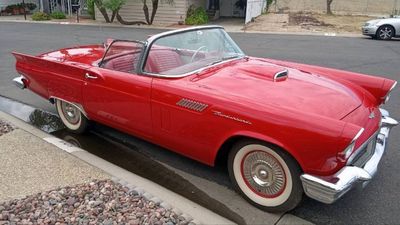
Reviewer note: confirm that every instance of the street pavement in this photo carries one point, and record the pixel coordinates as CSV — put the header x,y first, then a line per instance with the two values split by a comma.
x,y
376,204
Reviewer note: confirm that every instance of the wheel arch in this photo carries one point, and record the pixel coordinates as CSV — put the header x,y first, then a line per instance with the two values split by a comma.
x,y
221,156
52,100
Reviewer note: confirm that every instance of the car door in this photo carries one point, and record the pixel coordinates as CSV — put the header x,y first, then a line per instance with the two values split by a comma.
x,y
115,94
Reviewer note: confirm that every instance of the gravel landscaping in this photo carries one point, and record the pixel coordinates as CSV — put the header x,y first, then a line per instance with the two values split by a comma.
x,y
5,127
99,202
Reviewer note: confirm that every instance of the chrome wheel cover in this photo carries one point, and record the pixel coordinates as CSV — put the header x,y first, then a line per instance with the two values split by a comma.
x,y
263,174
385,33
70,112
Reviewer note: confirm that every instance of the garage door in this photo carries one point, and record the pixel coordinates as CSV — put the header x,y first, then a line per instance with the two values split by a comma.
x,y
254,8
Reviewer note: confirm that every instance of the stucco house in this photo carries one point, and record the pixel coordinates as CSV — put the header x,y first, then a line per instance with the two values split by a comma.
x,y
168,12
175,11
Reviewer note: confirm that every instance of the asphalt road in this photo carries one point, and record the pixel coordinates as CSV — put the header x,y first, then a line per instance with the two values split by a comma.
x,y
378,203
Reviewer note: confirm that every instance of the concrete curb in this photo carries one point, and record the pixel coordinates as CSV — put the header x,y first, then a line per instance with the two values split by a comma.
x,y
324,34
166,198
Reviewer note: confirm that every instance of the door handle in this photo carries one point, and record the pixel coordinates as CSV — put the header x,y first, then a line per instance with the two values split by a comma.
x,y
88,76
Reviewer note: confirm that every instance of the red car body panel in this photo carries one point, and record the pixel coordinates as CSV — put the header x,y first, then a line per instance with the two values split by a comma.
x,y
313,114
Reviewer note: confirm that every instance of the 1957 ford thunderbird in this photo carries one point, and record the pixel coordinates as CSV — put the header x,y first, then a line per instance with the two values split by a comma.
x,y
282,128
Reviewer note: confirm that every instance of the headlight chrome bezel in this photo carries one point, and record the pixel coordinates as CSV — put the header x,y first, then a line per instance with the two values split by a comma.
x,y
346,153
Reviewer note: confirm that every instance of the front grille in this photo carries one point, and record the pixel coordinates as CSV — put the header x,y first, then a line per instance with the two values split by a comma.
x,y
365,152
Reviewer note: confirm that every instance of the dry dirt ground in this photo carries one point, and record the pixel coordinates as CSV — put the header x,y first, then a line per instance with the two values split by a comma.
x,y
307,22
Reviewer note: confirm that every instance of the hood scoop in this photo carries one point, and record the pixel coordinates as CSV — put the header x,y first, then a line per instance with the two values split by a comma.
x,y
281,76
271,72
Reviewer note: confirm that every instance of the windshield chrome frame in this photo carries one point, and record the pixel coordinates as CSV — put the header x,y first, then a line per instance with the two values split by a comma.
x,y
154,38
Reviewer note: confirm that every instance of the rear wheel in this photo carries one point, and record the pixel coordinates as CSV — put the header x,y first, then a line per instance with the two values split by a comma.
x,y
385,32
72,117
266,176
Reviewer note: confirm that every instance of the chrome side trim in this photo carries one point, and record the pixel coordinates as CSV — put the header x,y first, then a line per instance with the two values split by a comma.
x,y
18,81
77,105
330,188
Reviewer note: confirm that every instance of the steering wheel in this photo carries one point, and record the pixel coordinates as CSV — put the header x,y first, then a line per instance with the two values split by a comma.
x,y
195,53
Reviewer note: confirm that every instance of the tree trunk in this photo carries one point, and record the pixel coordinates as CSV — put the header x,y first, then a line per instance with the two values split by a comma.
x,y
113,16
123,22
102,10
146,12
154,10
328,7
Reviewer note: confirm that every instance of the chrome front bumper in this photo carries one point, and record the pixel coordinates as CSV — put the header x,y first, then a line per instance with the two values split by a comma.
x,y
329,189
369,30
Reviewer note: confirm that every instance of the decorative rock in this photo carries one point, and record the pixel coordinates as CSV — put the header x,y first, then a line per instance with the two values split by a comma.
x,y
5,128
71,201
98,202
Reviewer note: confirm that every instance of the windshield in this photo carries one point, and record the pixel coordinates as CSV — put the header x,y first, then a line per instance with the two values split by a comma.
x,y
185,52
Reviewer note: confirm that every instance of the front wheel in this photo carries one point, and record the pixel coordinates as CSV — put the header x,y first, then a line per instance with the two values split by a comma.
x,y
385,32
72,117
266,176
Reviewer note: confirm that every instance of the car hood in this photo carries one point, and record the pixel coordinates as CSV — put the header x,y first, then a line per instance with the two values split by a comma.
x,y
252,82
383,20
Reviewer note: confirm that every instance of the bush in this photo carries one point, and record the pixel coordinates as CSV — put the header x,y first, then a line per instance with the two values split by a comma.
x,y
10,8
39,16
30,6
196,16
90,8
58,15
269,3
113,5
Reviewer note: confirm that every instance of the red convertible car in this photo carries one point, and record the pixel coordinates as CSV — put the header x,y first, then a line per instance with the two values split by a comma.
x,y
283,129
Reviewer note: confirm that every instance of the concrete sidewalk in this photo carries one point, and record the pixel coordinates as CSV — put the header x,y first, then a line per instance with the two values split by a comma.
x,y
33,161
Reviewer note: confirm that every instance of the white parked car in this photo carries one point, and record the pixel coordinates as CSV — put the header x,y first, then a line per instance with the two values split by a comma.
x,y
382,29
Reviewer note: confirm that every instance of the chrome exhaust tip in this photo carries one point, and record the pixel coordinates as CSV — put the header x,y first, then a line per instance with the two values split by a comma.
x,y
19,82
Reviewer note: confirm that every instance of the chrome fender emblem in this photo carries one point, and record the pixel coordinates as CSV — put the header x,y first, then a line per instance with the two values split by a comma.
x,y
217,113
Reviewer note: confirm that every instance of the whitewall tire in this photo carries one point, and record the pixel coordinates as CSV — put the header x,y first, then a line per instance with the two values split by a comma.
x,y
72,117
265,175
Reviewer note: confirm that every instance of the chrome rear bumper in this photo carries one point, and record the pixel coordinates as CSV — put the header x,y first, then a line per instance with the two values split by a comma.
x,y
330,189
19,82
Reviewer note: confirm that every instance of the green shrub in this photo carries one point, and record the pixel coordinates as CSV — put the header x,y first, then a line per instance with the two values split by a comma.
x,y
39,16
196,16
58,15
31,6
113,5
90,9
269,3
